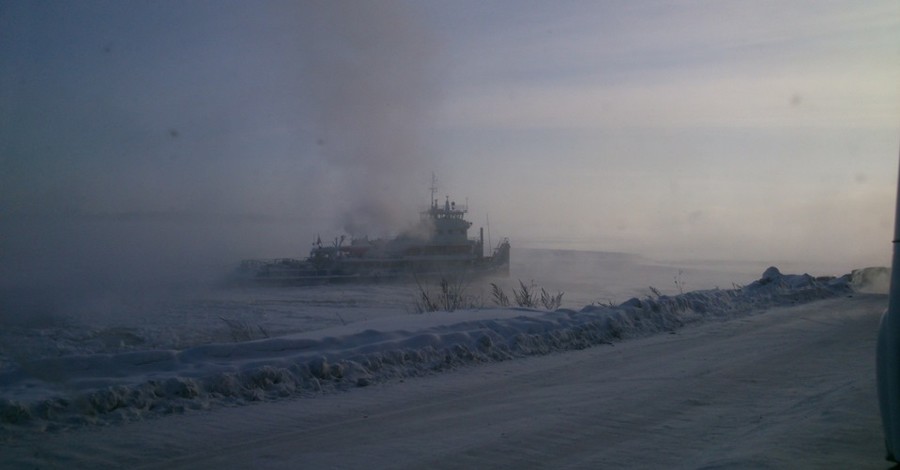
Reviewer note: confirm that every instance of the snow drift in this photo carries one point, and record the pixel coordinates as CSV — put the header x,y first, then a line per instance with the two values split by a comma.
x,y
61,392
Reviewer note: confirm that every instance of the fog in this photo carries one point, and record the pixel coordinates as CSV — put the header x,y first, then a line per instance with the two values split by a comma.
x,y
159,143
148,143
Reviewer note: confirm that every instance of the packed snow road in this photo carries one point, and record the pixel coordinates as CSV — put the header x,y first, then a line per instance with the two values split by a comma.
x,y
792,387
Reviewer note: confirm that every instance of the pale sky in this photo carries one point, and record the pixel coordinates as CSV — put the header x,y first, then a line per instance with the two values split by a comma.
x,y
736,130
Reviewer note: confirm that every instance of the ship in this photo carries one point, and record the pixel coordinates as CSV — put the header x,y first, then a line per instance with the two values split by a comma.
x,y
438,247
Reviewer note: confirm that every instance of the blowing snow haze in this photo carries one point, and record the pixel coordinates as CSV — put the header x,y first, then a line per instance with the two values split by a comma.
x,y
166,140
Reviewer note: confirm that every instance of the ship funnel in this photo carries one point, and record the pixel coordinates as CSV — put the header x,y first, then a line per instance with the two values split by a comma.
x,y
480,242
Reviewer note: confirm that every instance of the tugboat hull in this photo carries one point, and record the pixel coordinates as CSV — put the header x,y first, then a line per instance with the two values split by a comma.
x,y
287,271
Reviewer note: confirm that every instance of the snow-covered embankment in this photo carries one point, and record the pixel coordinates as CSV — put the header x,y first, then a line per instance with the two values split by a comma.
x,y
53,393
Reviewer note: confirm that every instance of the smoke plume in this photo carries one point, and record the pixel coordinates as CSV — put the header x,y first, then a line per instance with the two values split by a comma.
x,y
148,143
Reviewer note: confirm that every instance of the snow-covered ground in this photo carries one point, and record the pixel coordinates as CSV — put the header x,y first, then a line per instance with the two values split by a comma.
x,y
114,362
789,387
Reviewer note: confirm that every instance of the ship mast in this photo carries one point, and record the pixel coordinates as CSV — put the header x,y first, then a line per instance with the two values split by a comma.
x,y
433,202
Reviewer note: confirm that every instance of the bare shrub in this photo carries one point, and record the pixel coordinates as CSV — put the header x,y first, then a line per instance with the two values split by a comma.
x,y
243,330
679,281
551,301
526,295
499,296
449,296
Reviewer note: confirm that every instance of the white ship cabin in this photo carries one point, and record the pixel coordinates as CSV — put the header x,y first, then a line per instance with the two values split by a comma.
x,y
450,225
448,238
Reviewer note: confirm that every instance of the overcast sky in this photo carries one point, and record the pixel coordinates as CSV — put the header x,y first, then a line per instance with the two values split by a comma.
x,y
753,130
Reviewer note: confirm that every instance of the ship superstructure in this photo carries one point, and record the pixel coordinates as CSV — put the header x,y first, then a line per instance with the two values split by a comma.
x,y
439,246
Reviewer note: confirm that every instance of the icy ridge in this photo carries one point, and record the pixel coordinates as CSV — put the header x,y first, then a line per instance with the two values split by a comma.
x,y
104,388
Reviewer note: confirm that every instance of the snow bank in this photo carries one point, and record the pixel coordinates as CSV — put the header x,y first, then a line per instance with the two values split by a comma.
x,y
60,392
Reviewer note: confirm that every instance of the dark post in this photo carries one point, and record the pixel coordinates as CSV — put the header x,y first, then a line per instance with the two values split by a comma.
x,y
888,352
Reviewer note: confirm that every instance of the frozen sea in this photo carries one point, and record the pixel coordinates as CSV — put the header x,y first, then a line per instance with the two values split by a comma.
x,y
38,324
